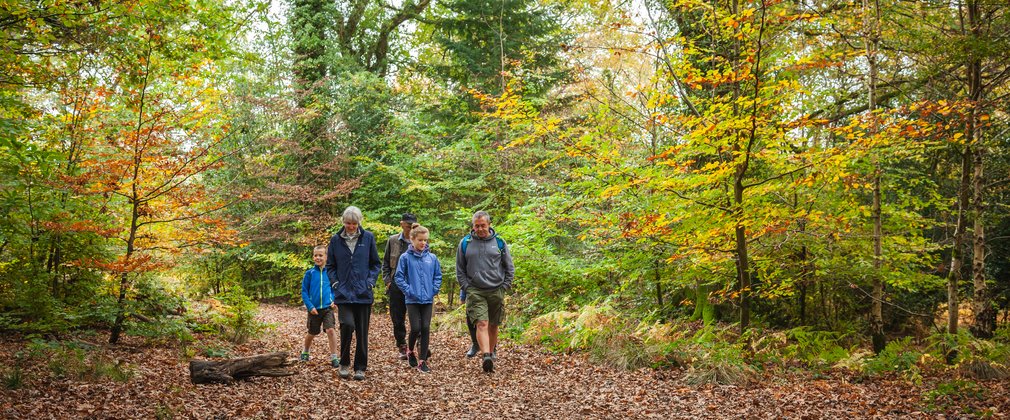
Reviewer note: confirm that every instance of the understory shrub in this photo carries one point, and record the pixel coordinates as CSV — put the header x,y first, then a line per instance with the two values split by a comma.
x,y
232,315
71,360
454,320
709,355
900,357
13,377
973,358
953,395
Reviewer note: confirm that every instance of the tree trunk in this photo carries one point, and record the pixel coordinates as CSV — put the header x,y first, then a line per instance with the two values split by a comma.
x,y
985,315
227,371
984,324
803,261
876,311
872,19
743,275
703,309
957,252
659,287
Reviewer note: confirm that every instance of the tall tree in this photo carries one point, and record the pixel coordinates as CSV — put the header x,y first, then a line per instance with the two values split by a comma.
x,y
871,23
162,132
984,25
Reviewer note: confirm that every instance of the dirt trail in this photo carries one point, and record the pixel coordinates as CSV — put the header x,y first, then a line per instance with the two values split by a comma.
x,y
526,384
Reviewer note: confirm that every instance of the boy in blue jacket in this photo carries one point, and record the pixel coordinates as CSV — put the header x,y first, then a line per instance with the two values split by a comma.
x,y
317,295
419,276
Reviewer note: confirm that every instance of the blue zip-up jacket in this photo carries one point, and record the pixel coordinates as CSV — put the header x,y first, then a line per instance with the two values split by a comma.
x,y
419,276
353,275
316,290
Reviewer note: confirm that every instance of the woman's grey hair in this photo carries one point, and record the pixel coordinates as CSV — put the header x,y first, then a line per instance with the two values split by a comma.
x,y
353,214
481,215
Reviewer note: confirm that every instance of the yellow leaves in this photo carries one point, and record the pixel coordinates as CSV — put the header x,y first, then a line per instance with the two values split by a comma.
x,y
660,99
616,189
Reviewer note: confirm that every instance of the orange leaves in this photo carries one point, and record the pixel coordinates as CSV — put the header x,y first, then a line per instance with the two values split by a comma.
x,y
906,128
715,78
644,225
616,189
136,263
672,150
81,226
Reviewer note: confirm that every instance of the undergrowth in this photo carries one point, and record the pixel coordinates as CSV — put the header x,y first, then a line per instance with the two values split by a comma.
x,y
717,354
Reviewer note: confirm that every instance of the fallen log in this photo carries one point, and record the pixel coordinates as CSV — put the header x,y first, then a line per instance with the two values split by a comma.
x,y
228,371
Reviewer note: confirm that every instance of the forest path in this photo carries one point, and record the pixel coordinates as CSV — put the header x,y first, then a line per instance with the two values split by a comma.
x,y
527,383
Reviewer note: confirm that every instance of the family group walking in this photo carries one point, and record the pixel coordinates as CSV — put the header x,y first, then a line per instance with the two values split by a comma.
x,y
345,272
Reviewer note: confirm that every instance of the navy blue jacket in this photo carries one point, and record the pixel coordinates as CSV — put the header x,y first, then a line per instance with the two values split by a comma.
x,y
353,275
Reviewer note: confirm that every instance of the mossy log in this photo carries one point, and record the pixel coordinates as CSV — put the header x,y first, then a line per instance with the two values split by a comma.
x,y
228,371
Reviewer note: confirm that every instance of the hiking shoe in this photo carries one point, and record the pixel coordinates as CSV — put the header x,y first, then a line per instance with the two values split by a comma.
x,y
359,375
488,363
494,355
412,359
345,372
423,367
474,349
403,352
304,357
335,362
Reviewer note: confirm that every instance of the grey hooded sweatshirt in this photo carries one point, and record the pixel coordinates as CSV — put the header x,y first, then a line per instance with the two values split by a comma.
x,y
484,267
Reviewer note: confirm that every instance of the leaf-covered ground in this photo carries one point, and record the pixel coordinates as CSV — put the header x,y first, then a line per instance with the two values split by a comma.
x,y
527,383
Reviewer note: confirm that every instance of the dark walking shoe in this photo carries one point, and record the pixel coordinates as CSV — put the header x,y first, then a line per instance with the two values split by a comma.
x,y
423,366
345,372
359,375
474,349
304,357
335,362
488,364
403,352
412,359
494,355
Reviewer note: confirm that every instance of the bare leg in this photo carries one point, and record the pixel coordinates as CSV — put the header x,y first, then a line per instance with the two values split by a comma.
x,y
331,336
483,339
492,335
308,342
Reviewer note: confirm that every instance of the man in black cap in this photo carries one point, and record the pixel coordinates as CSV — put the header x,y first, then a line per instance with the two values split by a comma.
x,y
396,245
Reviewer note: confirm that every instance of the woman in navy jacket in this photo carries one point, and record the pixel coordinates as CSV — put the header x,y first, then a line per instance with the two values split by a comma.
x,y
352,263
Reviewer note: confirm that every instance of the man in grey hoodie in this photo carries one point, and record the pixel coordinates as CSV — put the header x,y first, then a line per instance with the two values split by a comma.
x,y
485,271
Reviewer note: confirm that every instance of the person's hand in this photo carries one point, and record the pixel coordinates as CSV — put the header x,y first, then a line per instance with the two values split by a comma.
x,y
333,305
314,311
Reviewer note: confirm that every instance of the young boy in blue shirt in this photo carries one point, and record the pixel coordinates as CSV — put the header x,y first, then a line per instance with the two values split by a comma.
x,y
317,295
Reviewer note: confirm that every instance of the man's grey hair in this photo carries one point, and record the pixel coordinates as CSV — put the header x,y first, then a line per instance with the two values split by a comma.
x,y
481,215
353,214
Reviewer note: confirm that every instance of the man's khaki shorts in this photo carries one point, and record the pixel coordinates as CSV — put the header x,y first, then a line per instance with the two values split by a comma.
x,y
486,305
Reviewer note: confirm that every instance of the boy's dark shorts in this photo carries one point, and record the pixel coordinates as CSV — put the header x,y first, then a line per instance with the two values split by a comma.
x,y
324,318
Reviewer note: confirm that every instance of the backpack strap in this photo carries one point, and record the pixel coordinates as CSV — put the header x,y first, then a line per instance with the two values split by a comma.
x,y
467,238
466,241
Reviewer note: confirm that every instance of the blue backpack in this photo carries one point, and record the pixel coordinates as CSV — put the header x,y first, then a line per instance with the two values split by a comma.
x,y
468,237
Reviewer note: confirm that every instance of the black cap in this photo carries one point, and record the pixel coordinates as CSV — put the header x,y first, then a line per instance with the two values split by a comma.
x,y
408,217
